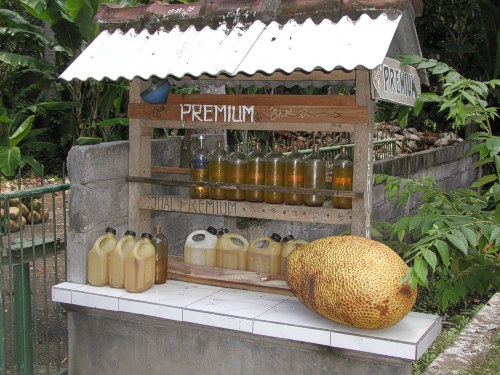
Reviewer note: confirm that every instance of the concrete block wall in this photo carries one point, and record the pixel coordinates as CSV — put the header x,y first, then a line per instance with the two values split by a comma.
x,y
99,197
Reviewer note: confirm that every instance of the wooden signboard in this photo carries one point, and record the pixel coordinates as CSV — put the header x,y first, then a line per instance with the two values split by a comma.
x,y
326,215
395,83
255,112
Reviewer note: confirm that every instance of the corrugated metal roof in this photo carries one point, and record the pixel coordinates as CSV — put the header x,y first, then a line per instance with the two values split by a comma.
x,y
241,49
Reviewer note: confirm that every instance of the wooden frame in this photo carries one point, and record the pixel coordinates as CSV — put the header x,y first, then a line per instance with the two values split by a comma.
x,y
354,114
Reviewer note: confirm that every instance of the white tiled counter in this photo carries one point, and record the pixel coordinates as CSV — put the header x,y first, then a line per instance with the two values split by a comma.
x,y
255,313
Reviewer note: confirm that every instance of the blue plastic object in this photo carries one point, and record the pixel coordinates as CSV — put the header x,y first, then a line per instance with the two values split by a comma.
x,y
157,93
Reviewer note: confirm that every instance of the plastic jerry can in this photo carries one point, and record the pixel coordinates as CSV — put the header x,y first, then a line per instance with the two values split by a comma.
x,y
289,244
140,265
117,258
264,254
200,247
97,258
232,251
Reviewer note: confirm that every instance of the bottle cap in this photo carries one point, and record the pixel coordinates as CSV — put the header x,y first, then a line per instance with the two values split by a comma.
x,y
130,233
290,237
222,231
147,235
110,230
157,228
276,237
212,230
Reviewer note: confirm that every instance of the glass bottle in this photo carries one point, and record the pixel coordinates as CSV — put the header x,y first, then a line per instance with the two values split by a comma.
x,y
315,177
294,176
236,173
342,178
255,173
161,255
274,175
217,170
199,169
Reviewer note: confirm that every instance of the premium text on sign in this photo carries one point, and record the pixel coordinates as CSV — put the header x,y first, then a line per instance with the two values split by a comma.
x,y
395,82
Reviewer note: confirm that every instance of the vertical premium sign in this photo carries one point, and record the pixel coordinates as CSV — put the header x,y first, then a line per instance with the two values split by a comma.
x,y
395,82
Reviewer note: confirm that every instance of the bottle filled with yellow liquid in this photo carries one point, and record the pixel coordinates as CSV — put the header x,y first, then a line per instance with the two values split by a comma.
x,y
315,177
140,265
232,251
199,169
217,170
274,172
200,247
264,254
294,176
289,244
236,173
98,258
117,259
160,243
342,175
256,165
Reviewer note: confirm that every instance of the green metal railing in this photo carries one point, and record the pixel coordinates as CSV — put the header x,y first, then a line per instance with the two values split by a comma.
x,y
382,149
33,338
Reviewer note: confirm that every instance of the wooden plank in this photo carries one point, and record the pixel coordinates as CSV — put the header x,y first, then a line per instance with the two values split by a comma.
x,y
267,126
171,203
264,100
209,114
139,163
178,270
363,160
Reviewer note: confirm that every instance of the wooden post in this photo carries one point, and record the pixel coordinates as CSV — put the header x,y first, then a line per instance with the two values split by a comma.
x,y
363,159
139,163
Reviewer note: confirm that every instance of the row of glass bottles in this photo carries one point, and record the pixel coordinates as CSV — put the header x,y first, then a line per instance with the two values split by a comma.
x,y
293,171
233,251
127,263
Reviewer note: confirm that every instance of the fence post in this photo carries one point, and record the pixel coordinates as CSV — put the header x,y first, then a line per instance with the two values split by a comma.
x,y
3,332
24,346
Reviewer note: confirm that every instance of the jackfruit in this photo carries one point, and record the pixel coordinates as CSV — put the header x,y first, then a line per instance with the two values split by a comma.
x,y
351,280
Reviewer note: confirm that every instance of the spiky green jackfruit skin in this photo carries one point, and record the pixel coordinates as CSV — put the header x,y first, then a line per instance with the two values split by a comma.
x,y
351,280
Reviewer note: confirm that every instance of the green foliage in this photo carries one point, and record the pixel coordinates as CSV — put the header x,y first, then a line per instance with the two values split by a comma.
x,y
464,34
454,237
462,101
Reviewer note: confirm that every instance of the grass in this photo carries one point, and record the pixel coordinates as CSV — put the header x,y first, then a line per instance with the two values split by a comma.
x,y
447,337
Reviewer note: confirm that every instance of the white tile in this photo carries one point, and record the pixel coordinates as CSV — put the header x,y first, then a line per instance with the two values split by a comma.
x,y
68,286
61,295
150,309
284,331
103,290
429,337
294,312
173,294
372,345
218,320
94,300
238,303
409,330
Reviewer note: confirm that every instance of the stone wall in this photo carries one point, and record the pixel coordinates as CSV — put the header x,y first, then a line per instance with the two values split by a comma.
x,y
99,197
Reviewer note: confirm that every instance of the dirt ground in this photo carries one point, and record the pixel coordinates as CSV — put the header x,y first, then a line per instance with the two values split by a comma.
x,y
49,331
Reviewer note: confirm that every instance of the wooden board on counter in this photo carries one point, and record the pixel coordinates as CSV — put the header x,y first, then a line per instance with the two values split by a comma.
x,y
178,270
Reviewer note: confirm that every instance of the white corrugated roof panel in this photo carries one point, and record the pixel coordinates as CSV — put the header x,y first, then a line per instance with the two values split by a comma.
x,y
242,49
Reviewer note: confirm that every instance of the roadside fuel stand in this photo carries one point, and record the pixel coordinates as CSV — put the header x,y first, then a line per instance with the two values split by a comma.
x,y
219,322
